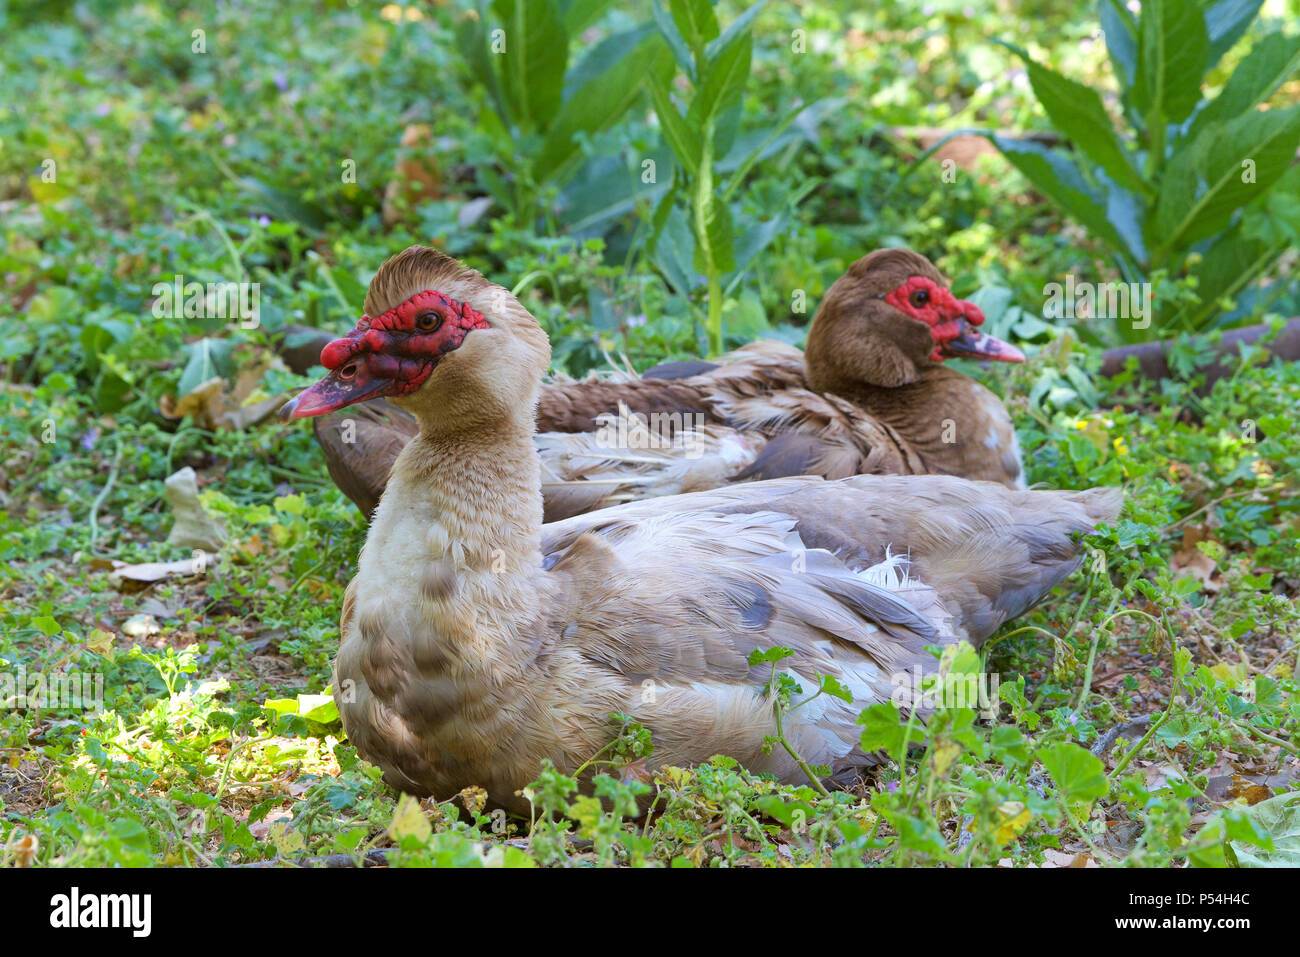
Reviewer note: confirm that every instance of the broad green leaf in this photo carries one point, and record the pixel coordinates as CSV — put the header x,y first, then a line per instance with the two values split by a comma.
x,y
208,358
100,335
598,105
917,833
481,65
1120,29
674,251
1225,23
677,132
830,684
46,625
284,206
1052,173
504,855
696,21
676,42
607,188
723,83
1278,818
713,237
409,820
605,55
580,14
1172,58
751,239
535,58
1010,747
726,128
1126,212
1077,111
1079,774
1227,166
739,25
1278,222
1271,62
1226,268
318,707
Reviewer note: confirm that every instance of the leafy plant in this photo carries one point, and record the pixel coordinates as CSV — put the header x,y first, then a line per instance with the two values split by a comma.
x,y
539,106
1194,186
712,240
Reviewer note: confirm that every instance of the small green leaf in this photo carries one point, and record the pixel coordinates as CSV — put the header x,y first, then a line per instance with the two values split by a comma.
x,y
882,729
831,686
696,22
769,656
1078,774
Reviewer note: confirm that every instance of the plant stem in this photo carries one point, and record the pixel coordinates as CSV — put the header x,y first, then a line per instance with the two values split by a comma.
x,y
103,494
715,315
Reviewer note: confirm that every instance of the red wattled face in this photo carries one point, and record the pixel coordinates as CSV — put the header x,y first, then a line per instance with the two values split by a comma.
x,y
391,354
951,320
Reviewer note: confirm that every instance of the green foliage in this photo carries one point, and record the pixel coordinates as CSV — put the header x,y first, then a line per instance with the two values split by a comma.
x,y
219,743
539,105
1197,187
708,243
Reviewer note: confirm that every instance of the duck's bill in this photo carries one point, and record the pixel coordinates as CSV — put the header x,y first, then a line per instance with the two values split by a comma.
x,y
333,393
973,344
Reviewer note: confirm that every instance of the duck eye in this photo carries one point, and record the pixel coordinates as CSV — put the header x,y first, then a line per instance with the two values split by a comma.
x,y
428,321
919,298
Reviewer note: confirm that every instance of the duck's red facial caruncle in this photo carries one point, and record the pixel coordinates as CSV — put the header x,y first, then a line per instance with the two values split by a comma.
x,y
952,322
389,355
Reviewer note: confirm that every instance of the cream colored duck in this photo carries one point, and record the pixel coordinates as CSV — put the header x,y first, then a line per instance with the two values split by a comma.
x,y
873,397
477,641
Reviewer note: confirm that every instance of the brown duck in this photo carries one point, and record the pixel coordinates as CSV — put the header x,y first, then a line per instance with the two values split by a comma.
x,y
872,397
478,642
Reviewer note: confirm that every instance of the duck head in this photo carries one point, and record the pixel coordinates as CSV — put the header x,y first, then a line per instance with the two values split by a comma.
x,y
438,339
889,319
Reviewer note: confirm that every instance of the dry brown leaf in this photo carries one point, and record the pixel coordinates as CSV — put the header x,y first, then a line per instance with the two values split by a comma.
x,y
416,175
1194,563
216,404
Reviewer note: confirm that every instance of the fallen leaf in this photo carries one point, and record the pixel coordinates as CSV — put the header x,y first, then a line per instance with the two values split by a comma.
x,y
131,578
416,176
193,527
141,626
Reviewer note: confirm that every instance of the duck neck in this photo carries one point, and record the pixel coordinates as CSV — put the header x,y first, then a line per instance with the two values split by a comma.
x,y
460,523
903,406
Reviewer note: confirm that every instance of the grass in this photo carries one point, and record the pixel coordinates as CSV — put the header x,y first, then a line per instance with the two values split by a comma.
x,y
216,745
